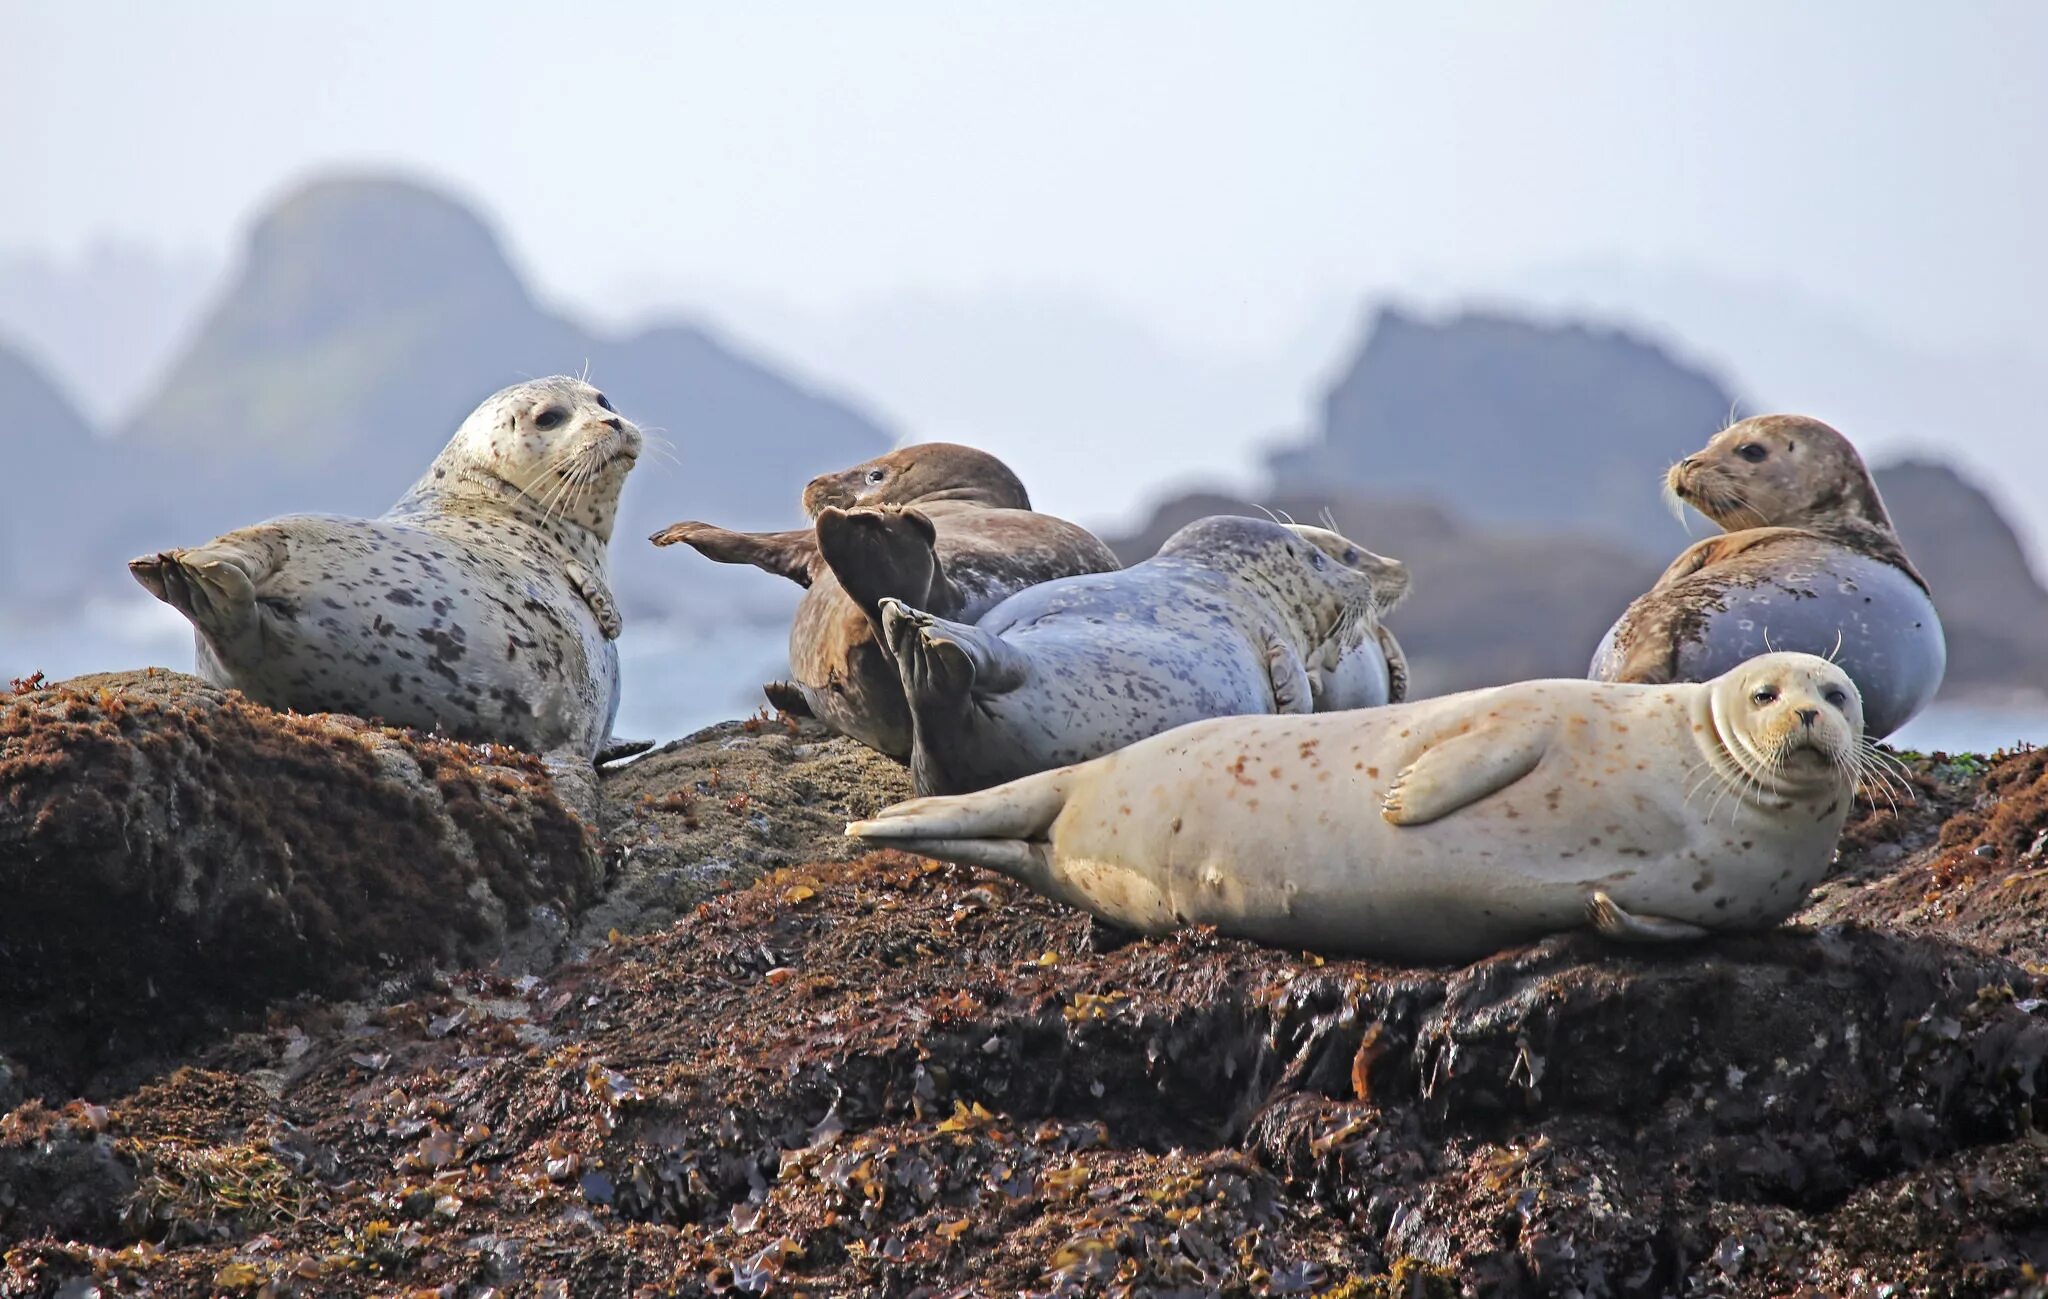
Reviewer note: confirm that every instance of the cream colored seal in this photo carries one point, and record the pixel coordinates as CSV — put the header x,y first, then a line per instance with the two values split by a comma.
x,y
1442,829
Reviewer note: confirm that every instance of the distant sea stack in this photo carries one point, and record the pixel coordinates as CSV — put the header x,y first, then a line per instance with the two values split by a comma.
x,y
1514,423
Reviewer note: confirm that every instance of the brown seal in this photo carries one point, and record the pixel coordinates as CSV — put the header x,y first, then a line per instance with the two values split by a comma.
x,y
1809,562
938,526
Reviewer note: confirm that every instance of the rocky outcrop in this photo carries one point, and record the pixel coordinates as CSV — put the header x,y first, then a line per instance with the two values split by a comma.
x,y
174,858
890,1076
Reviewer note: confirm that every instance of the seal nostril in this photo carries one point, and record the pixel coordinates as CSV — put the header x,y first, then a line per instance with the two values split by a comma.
x,y
615,424
1809,715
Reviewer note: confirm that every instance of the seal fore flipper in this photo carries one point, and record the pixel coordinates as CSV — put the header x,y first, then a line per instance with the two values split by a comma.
x,y
598,596
1006,829
792,554
886,553
1293,692
1397,664
1612,922
1461,769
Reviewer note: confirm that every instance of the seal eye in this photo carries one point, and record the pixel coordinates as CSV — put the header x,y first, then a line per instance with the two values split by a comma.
x,y
550,418
1765,695
1315,558
1754,452
877,475
604,402
1836,696
1351,556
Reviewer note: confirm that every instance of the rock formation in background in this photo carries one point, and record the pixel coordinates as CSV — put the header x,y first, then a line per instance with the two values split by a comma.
x,y
50,465
1545,444
1518,424
369,315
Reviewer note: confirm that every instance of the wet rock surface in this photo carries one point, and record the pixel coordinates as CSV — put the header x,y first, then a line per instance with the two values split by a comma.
x,y
173,858
887,1076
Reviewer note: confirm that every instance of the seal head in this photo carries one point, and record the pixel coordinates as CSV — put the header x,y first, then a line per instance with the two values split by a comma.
x,y
919,475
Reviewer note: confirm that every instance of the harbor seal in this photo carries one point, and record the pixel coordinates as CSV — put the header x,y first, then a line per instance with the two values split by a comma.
x,y
477,606
1444,829
1233,615
941,526
1809,562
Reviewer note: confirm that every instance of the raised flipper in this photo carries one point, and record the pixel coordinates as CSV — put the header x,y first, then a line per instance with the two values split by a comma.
x,y
1007,828
884,554
214,586
793,554
1292,690
1619,925
598,596
1459,770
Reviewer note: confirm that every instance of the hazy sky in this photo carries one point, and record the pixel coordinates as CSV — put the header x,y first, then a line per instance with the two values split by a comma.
x,y
1221,184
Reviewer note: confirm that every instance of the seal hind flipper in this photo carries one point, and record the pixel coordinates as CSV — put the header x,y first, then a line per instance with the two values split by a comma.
x,y
214,586
1463,768
946,661
1006,829
618,750
886,553
792,554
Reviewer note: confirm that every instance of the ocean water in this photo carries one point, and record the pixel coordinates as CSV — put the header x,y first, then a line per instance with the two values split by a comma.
x,y
683,676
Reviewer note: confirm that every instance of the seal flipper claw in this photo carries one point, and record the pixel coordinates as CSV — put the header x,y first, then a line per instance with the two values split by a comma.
x,y
948,660
886,553
1612,922
1463,768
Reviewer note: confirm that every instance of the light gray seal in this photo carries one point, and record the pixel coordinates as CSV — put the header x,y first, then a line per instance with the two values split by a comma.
x,y
1810,562
1442,829
478,606
940,526
1233,615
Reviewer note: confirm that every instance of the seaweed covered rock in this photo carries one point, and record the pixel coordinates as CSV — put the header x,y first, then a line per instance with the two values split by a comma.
x,y
716,810
173,856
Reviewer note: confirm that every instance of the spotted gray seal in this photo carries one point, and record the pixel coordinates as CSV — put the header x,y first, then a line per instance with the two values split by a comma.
x,y
941,526
477,606
1233,615
1809,562
1442,829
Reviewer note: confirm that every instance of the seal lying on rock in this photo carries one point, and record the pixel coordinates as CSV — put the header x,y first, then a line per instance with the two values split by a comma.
x,y
477,606
1809,562
1447,828
940,526
1233,615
